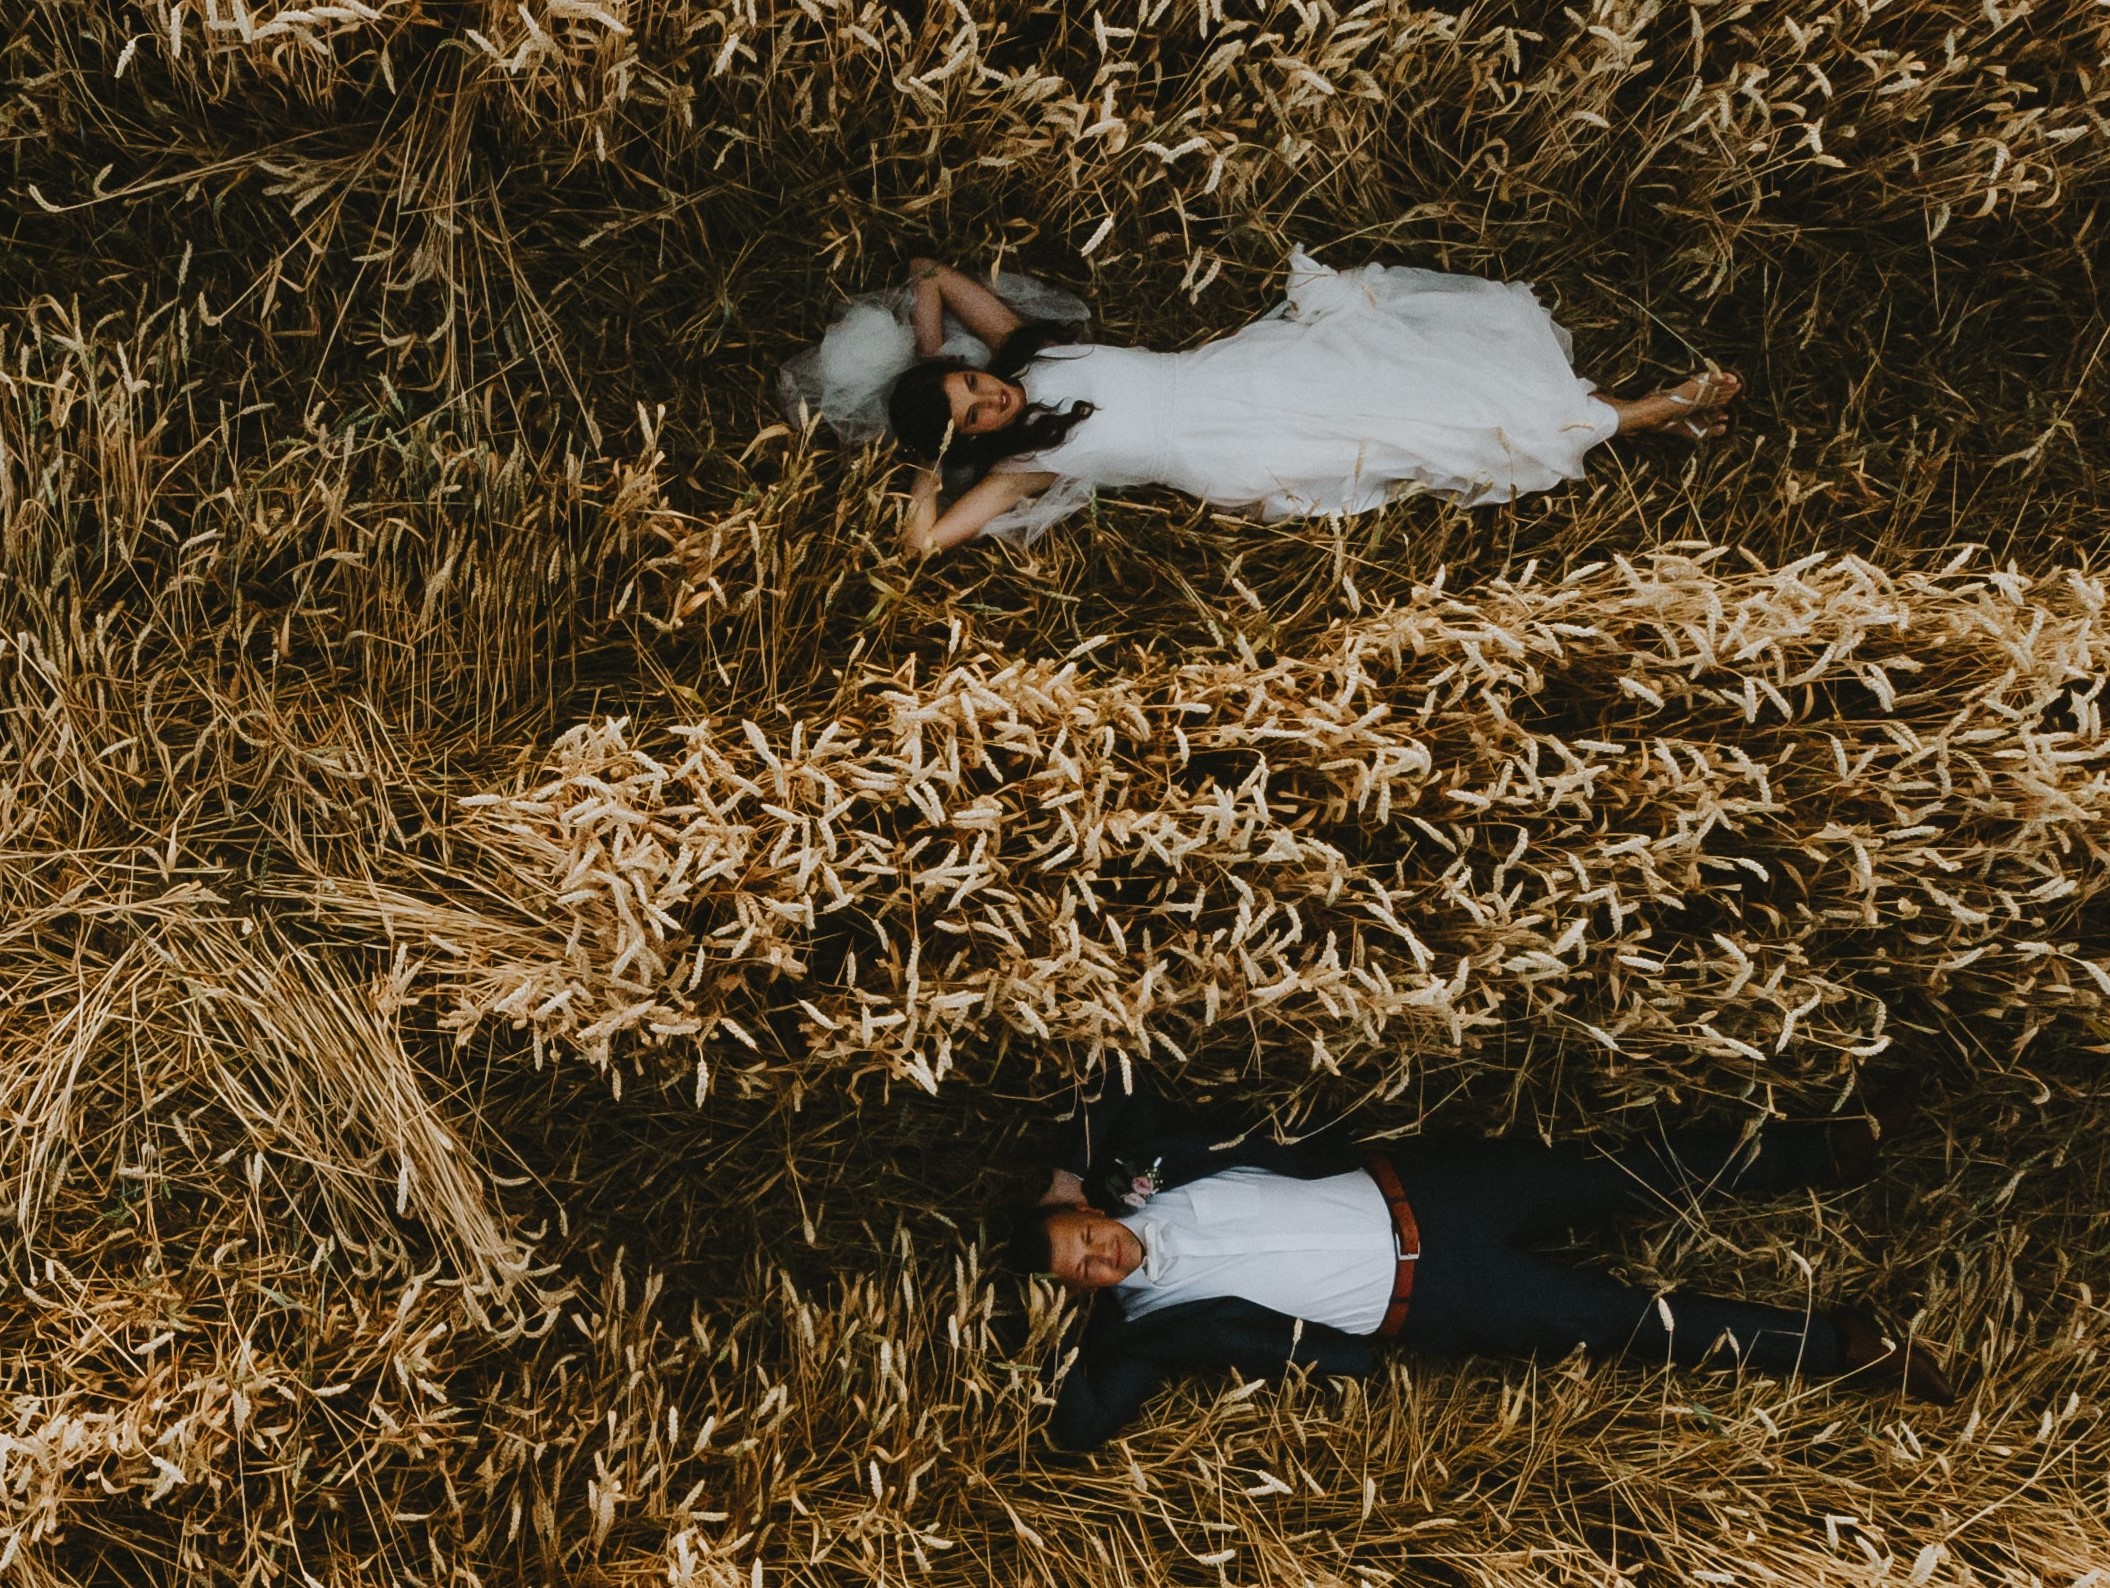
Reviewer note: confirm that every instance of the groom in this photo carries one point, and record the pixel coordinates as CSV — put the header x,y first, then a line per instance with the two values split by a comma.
x,y
1218,1250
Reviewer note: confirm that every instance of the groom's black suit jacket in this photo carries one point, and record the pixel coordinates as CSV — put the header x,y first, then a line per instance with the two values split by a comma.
x,y
1120,1362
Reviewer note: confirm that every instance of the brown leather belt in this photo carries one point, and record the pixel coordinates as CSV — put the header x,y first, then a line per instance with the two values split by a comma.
x,y
1409,1234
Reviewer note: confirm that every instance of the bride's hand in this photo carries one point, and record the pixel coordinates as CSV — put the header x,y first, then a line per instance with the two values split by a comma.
x,y
1065,1190
922,513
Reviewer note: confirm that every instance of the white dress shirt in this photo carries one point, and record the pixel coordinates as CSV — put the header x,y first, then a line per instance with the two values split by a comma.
x,y
1321,1250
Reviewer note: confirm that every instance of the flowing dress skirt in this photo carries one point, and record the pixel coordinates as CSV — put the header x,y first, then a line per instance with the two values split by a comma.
x,y
1370,380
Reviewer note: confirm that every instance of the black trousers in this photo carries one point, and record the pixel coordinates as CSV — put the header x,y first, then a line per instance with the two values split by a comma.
x,y
1476,1291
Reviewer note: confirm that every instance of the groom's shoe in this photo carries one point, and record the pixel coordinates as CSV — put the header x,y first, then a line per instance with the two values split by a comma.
x,y
1868,1356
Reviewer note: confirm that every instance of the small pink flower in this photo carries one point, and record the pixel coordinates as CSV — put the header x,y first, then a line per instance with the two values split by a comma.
x,y
1141,1185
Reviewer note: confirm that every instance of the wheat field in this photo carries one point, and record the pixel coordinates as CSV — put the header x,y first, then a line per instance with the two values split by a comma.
x,y
535,946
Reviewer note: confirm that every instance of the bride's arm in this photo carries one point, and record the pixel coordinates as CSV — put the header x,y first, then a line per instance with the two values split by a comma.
x,y
940,287
927,315
930,530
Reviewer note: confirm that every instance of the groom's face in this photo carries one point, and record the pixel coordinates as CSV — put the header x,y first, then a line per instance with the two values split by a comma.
x,y
1089,1251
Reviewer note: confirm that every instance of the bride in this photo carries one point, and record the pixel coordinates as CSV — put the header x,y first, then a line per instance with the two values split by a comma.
x,y
1362,385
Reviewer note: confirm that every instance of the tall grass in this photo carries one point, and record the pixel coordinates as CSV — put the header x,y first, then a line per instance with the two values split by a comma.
x,y
530,937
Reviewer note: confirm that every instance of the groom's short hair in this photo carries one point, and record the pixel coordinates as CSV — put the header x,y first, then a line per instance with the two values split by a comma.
x,y
1028,1250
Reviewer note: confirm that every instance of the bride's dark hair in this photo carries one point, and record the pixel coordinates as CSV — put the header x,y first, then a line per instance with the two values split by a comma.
x,y
921,412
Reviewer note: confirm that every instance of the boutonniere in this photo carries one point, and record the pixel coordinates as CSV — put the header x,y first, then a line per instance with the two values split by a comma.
x,y
1133,1184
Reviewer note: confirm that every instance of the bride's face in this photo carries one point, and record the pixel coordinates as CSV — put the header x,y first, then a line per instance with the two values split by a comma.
x,y
982,402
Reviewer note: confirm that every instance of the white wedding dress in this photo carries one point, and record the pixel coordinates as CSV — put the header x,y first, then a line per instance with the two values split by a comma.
x,y
1361,386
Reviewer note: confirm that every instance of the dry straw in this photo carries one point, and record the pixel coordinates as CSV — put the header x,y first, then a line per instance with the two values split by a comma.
x,y
423,654
1714,823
